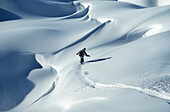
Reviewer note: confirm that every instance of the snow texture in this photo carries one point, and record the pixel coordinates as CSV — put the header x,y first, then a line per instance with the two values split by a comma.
x,y
128,69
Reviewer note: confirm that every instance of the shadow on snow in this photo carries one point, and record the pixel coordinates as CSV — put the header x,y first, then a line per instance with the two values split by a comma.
x,y
97,60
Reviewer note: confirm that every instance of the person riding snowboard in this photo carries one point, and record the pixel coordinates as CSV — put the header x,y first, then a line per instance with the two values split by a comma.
x,y
82,53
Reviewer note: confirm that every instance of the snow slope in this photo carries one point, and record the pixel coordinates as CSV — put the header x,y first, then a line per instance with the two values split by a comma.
x,y
148,3
129,67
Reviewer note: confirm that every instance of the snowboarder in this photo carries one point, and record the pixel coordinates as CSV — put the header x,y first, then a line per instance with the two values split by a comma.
x,y
82,53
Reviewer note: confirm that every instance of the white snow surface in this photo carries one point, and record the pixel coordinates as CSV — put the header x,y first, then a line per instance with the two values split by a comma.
x,y
129,65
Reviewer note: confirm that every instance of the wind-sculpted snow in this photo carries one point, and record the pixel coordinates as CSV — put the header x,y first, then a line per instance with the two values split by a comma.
x,y
80,14
127,71
148,3
5,15
28,8
14,85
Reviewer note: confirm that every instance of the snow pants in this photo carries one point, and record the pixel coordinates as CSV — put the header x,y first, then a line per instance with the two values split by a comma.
x,y
81,60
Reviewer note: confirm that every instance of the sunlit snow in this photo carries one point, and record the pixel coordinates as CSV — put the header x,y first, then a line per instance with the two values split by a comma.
x,y
129,65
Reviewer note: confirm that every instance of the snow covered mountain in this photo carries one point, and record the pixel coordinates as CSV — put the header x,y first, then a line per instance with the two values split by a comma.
x,y
129,45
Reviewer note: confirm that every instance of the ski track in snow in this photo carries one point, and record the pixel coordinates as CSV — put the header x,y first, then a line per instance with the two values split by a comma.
x,y
80,73
86,16
98,85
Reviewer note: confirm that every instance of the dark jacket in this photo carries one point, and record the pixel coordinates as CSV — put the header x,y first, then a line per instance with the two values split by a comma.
x,y
82,53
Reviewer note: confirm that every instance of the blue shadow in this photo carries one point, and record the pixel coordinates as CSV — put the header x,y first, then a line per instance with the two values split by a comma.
x,y
14,85
97,60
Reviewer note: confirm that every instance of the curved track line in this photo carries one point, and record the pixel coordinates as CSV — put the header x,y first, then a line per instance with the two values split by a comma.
x,y
153,93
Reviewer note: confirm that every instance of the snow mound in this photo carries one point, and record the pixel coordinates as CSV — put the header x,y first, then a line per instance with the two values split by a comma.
x,y
128,68
31,8
148,3
6,16
14,85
